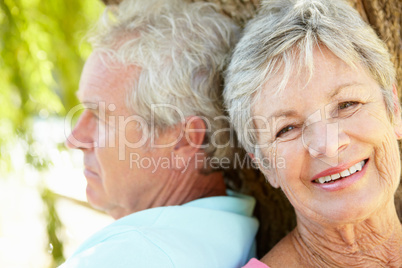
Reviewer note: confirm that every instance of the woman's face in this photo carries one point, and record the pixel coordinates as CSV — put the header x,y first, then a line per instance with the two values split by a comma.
x,y
331,135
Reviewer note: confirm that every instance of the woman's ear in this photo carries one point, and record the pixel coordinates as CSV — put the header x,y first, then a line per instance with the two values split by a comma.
x,y
269,175
397,114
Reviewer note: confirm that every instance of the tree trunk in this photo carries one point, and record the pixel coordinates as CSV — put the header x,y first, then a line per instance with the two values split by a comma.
x,y
276,215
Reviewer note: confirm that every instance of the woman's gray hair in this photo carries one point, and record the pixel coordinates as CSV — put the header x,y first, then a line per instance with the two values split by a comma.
x,y
181,50
283,36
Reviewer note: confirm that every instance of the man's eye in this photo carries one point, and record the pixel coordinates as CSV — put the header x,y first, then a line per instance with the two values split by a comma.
x,y
284,130
347,104
94,116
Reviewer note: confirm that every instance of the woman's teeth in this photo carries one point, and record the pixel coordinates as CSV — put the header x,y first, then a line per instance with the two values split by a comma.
x,y
347,172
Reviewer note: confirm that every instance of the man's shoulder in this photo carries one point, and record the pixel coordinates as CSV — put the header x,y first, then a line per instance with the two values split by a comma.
x,y
177,236
126,247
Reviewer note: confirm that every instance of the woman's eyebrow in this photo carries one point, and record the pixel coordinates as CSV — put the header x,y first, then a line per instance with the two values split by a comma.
x,y
333,93
282,113
339,89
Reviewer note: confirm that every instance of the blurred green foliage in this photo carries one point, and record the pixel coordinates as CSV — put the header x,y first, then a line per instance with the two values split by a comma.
x,y
53,228
42,50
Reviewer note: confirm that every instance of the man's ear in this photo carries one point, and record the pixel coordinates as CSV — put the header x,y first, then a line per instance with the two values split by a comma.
x,y
269,175
397,113
193,138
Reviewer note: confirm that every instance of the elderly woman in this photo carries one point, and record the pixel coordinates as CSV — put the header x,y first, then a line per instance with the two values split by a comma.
x,y
310,85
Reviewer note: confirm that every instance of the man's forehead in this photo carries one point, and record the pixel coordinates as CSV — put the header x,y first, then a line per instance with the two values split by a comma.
x,y
106,85
101,74
87,98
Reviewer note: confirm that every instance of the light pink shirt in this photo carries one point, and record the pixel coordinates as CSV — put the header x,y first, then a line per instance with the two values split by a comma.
x,y
254,263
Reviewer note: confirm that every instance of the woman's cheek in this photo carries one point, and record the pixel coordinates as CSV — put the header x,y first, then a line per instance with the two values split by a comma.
x,y
387,161
373,129
289,163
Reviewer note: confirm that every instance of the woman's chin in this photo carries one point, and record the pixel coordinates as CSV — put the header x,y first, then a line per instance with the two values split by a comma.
x,y
349,212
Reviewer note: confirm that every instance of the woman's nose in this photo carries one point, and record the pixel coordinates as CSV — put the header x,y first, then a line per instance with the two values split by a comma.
x,y
324,139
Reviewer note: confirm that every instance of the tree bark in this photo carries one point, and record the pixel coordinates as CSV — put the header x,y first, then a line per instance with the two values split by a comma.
x,y
275,213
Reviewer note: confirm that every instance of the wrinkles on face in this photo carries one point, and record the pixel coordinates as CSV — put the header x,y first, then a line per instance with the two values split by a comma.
x,y
388,163
291,176
266,159
387,158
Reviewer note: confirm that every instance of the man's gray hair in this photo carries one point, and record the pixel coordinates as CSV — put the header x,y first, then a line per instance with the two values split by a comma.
x,y
283,36
181,50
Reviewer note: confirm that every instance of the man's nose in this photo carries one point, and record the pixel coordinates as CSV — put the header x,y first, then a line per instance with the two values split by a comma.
x,y
82,135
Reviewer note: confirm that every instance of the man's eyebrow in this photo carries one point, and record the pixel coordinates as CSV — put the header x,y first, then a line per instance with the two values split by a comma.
x,y
85,103
78,95
339,89
89,105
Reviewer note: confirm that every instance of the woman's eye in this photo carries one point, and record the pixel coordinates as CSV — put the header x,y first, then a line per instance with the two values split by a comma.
x,y
347,104
284,130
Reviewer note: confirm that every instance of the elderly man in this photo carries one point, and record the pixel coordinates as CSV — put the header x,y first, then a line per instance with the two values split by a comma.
x,y
150,132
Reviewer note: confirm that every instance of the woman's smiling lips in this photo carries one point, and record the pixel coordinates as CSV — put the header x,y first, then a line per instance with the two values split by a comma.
x,y
340,177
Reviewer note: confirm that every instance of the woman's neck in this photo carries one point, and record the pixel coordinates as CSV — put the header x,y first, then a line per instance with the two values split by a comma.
x,y
374,242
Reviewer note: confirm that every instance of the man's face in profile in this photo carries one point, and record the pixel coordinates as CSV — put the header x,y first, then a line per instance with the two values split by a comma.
x,y
109,136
